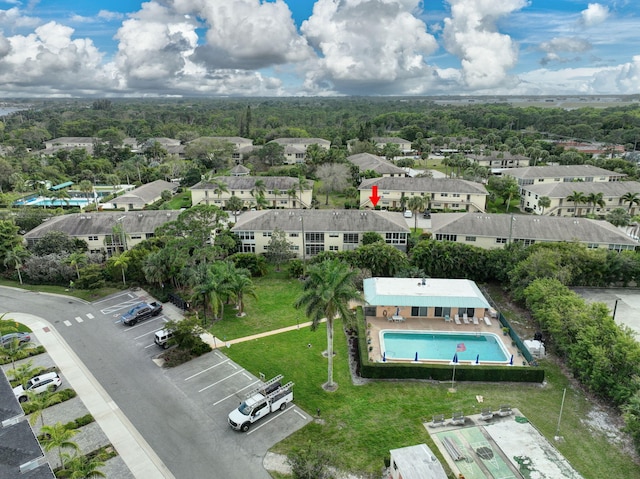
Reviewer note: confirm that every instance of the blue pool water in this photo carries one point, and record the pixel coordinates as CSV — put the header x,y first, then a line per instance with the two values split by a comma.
x,y
442,346
82,202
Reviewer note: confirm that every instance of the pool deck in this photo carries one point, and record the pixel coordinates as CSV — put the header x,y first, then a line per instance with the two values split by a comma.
x,y
423,324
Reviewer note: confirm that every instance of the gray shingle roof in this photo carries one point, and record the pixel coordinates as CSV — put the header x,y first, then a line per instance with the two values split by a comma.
x,y
83,224
303,141
560,171
247,183
562,190
322,220
146,194
540,228
367,161
389,139
432,185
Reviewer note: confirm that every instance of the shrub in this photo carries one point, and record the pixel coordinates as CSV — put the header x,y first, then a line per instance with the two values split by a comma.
x,y
200,348
295,268
26,353
60,396
79,422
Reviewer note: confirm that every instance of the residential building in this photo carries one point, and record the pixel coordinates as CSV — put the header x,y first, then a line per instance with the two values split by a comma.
x,y
499,160
415,462
562,174
142,196
404,145
497,230
313,231
278,191
592,148
107,232
21,456
559,193
377,164
440,193
295,149
423,298
69,143
242,147
240,170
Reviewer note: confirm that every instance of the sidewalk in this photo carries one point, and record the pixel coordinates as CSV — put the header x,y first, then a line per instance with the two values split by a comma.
x,y
141,460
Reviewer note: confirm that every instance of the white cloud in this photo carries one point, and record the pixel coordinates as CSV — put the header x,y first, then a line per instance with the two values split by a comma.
x,y
594,14
368,46
471,34
109,16
13,19
558,45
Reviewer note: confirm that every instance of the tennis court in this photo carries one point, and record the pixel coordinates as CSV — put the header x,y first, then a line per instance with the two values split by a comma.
x,y
500,448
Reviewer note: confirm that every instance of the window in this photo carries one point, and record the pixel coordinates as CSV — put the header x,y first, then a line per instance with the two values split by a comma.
x,y
314,237
470,238
333,248
314,249
441,312
293,235
456,195
444,195
444,237
396,238
334,235
266,234
419,310
526,242
294,247
135,237
248,248
501,240
246,235
350,238
93,238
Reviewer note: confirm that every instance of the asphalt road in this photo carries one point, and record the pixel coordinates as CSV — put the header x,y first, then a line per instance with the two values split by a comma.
x,y
192,438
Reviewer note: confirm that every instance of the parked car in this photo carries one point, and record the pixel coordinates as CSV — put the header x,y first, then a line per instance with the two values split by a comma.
x,y
38,385
426,214
7,339
140,312
162,337
408,214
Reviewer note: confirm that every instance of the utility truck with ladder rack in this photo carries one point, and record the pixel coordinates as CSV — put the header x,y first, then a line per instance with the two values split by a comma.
x,y
262,401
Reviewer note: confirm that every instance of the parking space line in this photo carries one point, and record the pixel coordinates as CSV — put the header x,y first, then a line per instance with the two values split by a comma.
x,y
78,319
247,376
145,334
112,297
90,316
218,382
152,344
67,323
264,423
300,414
143,323
205,370
234,394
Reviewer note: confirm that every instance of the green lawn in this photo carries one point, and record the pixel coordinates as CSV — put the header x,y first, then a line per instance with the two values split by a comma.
x,y
87,295
361,423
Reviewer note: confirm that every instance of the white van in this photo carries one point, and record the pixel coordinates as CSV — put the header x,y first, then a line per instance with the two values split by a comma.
x,y
162,337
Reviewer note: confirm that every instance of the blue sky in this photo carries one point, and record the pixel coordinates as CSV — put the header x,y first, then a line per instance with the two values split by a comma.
x,y
64,48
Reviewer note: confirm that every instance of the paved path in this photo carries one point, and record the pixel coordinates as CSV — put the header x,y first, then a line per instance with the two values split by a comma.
x,y
218,343
139,457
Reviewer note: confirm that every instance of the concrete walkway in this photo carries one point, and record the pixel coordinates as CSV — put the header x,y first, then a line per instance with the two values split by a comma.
x,y
216,343
141,460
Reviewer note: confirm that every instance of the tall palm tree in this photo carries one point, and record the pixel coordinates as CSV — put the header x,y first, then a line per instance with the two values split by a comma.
x,y
121,261
154,268
41,401
544,202
15,257
292,193
327,291
57,436
15,351
416,204
234,204
241,286
632,199
594,199
77,259
576,197
303,184
86,187
62,195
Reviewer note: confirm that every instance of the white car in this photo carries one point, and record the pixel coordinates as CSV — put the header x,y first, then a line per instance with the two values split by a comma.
x,y
408,214
39,384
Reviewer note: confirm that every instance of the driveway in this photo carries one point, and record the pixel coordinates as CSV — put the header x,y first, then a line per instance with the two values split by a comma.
x,y
181,412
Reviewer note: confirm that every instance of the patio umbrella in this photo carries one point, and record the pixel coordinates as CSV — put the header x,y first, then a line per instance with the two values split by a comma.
x,y
511,361
455,358
478,359
384,356
416,359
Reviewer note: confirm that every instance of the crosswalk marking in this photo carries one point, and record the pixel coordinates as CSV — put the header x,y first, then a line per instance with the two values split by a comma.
x,y
67,323
90,316
78,318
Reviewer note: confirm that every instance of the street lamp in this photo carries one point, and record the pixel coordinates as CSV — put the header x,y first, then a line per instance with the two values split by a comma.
x,y
304,249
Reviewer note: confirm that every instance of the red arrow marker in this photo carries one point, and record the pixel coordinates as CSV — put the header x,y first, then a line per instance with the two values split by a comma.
x,y
374,195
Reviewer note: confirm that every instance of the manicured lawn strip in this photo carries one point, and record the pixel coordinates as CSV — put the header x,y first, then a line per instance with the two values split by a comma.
x,y
361,423
273,308
87,295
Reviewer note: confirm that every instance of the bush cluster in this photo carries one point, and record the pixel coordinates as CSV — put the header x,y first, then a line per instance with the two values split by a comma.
x,y
59,397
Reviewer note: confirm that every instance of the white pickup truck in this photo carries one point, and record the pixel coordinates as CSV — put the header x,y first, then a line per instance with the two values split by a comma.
x,y
260,402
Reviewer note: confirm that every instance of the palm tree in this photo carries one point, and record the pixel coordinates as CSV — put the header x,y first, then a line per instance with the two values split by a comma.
x,y
544,202
15,351
234,204
416,204
61,195
40,402
77,259
241,286
121,261
57,436
303,184
292,193
329,287
24,372
81,467
631,198
15,257
576,197
154,268
594,199
86,187
219,186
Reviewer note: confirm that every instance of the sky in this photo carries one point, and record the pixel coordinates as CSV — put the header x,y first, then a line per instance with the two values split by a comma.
x,y
230,48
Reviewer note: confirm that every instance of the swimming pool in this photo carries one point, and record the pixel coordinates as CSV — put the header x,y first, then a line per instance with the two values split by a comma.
x,y
82,202
442,346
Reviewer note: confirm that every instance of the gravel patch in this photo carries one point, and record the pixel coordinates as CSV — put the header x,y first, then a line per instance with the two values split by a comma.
x,y
64,412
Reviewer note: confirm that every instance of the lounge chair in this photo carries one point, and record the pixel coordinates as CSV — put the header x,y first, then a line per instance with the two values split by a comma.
x,y
487,321
458,419
505,410
486,414
438,420
457,319
475,321
446,318
465,319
